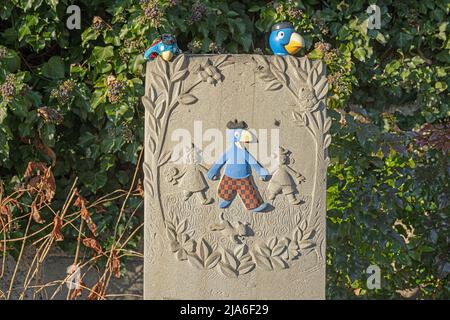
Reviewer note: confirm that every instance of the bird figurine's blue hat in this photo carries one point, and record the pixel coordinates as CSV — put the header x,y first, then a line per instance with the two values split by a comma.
x,y
165,46
284,40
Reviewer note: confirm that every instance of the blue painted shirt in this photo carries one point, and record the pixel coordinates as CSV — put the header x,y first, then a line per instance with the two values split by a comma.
x,y
238,164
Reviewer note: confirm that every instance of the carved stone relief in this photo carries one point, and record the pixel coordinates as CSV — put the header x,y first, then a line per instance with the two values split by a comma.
x,y
204,246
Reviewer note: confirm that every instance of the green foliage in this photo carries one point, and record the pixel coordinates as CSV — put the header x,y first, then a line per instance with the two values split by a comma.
x,y
387,196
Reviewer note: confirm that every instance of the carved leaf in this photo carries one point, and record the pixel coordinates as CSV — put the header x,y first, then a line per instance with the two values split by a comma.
x,y
179,75
162,66
263,262
327,125
292,61
182,226
204,250
152,92
226,64
152,144
195,261
187,99
227,271
274,85
303,64
190,233
299,119
303,224
263,250
246,267
179,64
309,235
278,250
221,59
149,188
320,67
239,251
246,258
212,260
272,242
148,104
281,76
229,259
148,171
314,77
305,244
171,234
164,158
261,61
278,263
159,81
327,141
321,88
160,109
153,123
279,63
297,235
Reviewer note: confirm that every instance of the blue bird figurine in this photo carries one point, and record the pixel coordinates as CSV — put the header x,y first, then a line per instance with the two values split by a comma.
x,y
165,46
284,40
237,175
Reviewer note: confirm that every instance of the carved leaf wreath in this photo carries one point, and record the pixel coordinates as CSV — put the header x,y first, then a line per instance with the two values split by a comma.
x,y
162,97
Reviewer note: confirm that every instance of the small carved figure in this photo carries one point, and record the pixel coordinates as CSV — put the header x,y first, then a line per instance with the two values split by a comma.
x,y
237,178
165,46
285,179
235,230
284,40
191,177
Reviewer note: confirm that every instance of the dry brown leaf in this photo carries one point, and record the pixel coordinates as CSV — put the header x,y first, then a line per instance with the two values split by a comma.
x,y
77,292
115,264
49,185
87,217
57,224
5,212
96,291
93,244
35,213
41,180
45,150
139,190
81,203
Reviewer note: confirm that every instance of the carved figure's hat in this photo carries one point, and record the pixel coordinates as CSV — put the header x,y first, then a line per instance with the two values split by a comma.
x,y
237,124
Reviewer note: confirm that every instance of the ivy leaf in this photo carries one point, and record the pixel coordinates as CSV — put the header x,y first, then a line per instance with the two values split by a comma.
x,y
100,54
93,180
54,68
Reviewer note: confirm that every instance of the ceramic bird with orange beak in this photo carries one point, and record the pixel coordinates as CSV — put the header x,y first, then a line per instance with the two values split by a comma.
x,y
283,39
165,46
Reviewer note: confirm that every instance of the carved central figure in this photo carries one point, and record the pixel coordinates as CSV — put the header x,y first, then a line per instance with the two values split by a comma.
x,y
237,177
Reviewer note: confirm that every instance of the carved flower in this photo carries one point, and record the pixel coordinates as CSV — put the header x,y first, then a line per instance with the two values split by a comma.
x,y
183,247
307,99
209,73
170,174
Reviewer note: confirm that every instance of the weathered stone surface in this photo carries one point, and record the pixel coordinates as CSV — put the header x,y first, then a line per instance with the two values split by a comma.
x,y
193,249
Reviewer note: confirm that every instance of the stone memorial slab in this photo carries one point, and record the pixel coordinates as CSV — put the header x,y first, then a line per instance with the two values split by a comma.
x,y
235,177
